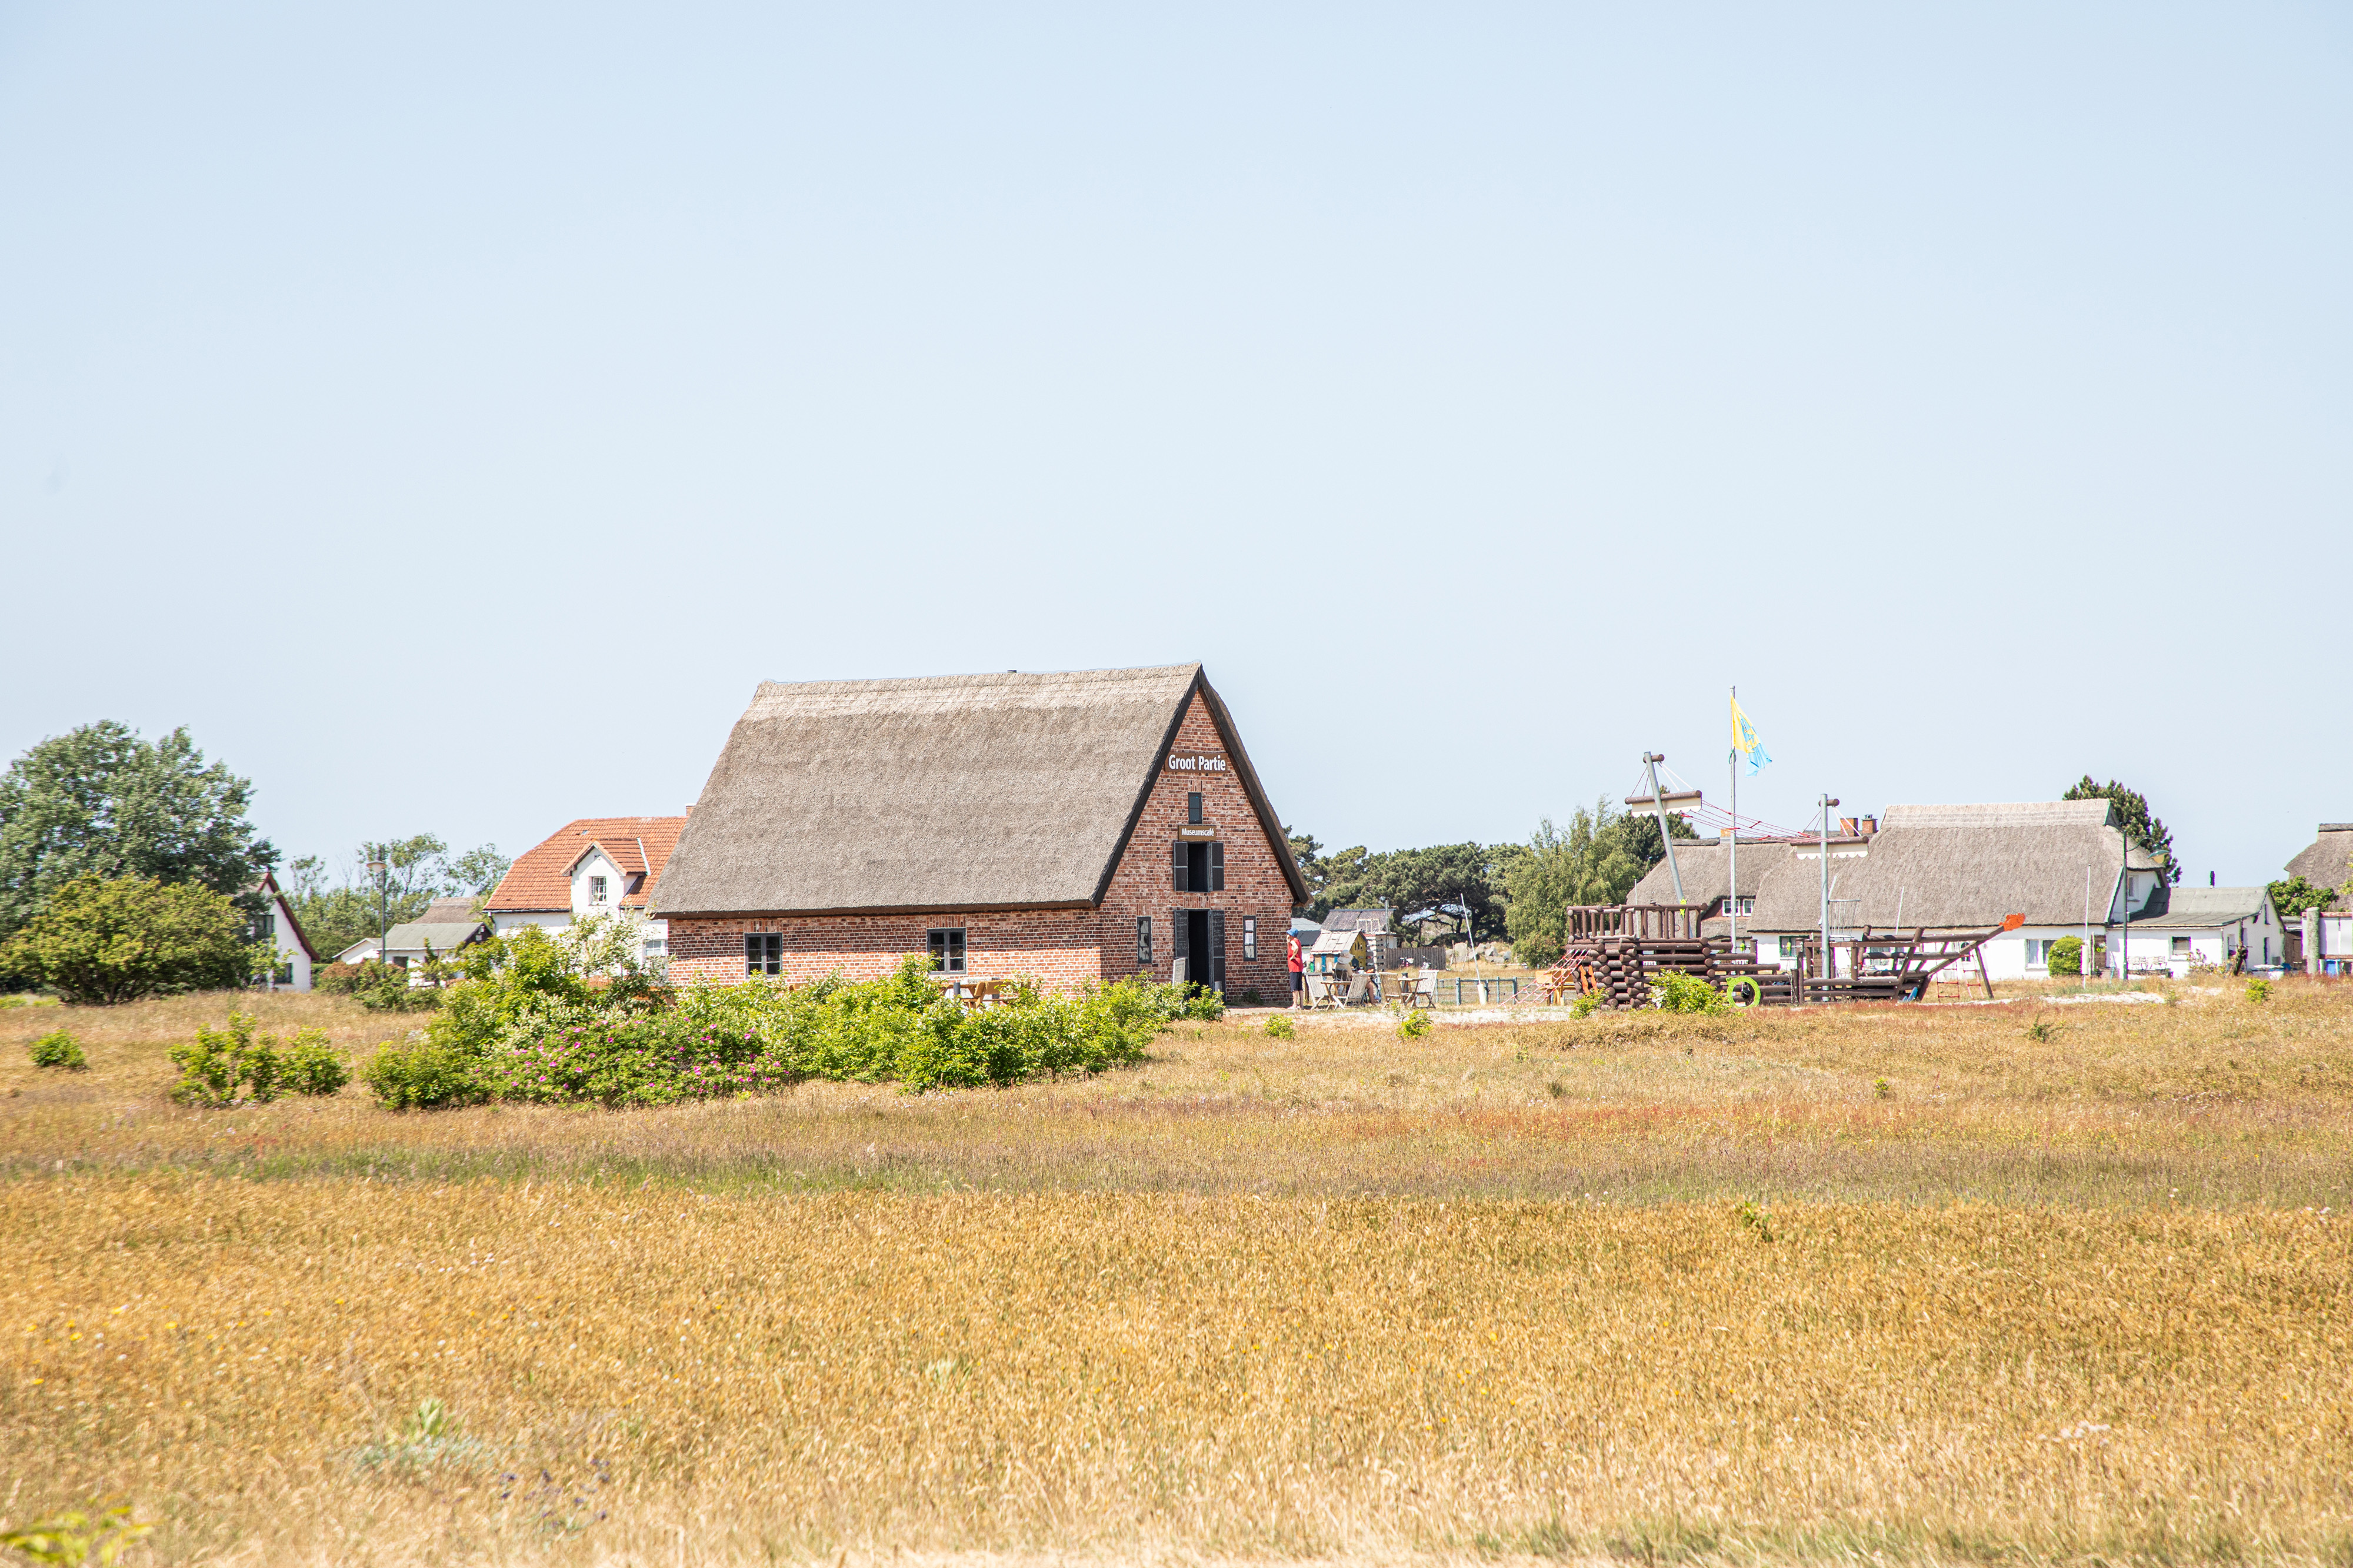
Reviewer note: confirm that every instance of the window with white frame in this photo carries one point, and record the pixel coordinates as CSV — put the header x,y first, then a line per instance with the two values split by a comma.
x,y
595,890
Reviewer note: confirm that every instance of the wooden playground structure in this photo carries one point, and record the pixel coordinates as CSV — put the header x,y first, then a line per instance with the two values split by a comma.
x,y
1618,951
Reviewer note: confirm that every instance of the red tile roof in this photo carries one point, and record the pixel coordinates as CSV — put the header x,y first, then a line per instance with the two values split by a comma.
x,y
540,878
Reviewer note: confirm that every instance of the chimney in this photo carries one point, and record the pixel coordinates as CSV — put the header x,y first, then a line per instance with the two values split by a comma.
x,y
1870,825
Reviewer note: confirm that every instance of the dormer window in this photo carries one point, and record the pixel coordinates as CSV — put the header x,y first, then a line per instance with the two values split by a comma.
x,y
595,890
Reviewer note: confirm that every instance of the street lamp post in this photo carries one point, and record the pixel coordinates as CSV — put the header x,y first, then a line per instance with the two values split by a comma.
x,y
377,868
1828,801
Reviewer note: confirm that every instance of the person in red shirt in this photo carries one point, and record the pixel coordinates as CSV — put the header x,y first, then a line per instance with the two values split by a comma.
x,y
1298,968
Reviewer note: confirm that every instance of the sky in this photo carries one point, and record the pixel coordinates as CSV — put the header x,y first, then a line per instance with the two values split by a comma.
x,y
450,412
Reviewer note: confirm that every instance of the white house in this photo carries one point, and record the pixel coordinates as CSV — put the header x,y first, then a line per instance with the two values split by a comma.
x,y
597,865
2062,865
275,923
447,925
2208,927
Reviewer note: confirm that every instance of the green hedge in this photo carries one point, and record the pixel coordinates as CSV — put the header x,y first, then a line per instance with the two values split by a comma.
x,y
524,1028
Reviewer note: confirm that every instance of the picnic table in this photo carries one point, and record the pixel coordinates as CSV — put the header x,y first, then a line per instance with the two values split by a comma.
x,y
972,992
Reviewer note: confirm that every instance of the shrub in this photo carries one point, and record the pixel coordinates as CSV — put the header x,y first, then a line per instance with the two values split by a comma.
x,y
1279,1027
385,988
101,941
1585,1005
221,1066
58,1049
312,1066
2066,957
1680,993
526,1026
2259,990
421,1076
1414,1025
335,979
218,1063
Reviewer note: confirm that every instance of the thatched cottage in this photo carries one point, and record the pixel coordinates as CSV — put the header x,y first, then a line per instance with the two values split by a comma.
x,y
1066,828
2325,943
2064,865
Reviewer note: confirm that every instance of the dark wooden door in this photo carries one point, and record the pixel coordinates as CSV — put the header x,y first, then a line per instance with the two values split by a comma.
x,y
1201,965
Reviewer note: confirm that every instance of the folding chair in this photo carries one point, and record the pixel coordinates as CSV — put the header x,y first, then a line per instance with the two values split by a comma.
x,y
1357,988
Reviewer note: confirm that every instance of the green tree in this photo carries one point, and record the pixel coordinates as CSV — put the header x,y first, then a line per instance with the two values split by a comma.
x,y
1410,879
1309,853
2292,895
1598,861
337,911
102,941
2139,826
101,802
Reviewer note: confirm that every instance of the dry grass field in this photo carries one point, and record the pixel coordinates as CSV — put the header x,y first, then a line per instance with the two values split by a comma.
x,y
2036,1282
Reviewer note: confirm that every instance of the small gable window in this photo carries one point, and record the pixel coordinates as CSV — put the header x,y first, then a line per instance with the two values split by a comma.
x,y
595,890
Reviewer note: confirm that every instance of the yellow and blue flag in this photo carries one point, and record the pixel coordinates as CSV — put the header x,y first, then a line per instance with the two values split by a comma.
x,y
1745,741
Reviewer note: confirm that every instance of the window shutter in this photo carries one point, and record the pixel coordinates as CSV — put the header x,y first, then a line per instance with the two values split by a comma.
x,y
1218,948
1176,943
1176,858
1217,866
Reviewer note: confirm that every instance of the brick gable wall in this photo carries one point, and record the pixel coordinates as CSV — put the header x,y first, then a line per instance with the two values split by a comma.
x,y
1255,888
1058,948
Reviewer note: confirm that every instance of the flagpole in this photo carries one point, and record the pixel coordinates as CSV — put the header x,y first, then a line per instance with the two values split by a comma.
x,y
1732,852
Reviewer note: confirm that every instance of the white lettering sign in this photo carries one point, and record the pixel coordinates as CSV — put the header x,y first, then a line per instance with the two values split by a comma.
x,y
1195,762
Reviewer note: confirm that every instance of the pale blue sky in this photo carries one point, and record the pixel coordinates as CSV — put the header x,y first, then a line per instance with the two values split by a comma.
x,y
449,413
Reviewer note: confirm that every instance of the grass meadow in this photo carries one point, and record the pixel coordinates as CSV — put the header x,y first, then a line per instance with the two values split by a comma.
x,y
2038,1282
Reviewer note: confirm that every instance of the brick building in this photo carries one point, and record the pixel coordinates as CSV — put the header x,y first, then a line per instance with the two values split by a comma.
x,y
1067,828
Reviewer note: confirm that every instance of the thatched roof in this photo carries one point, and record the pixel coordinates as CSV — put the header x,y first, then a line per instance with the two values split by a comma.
x,y
1943,866
1706,867
967,792
1371,922
2328,862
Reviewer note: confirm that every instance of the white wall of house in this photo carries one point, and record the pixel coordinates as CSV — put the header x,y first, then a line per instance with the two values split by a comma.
x,y
282,925
505,920
592,866
2335,942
